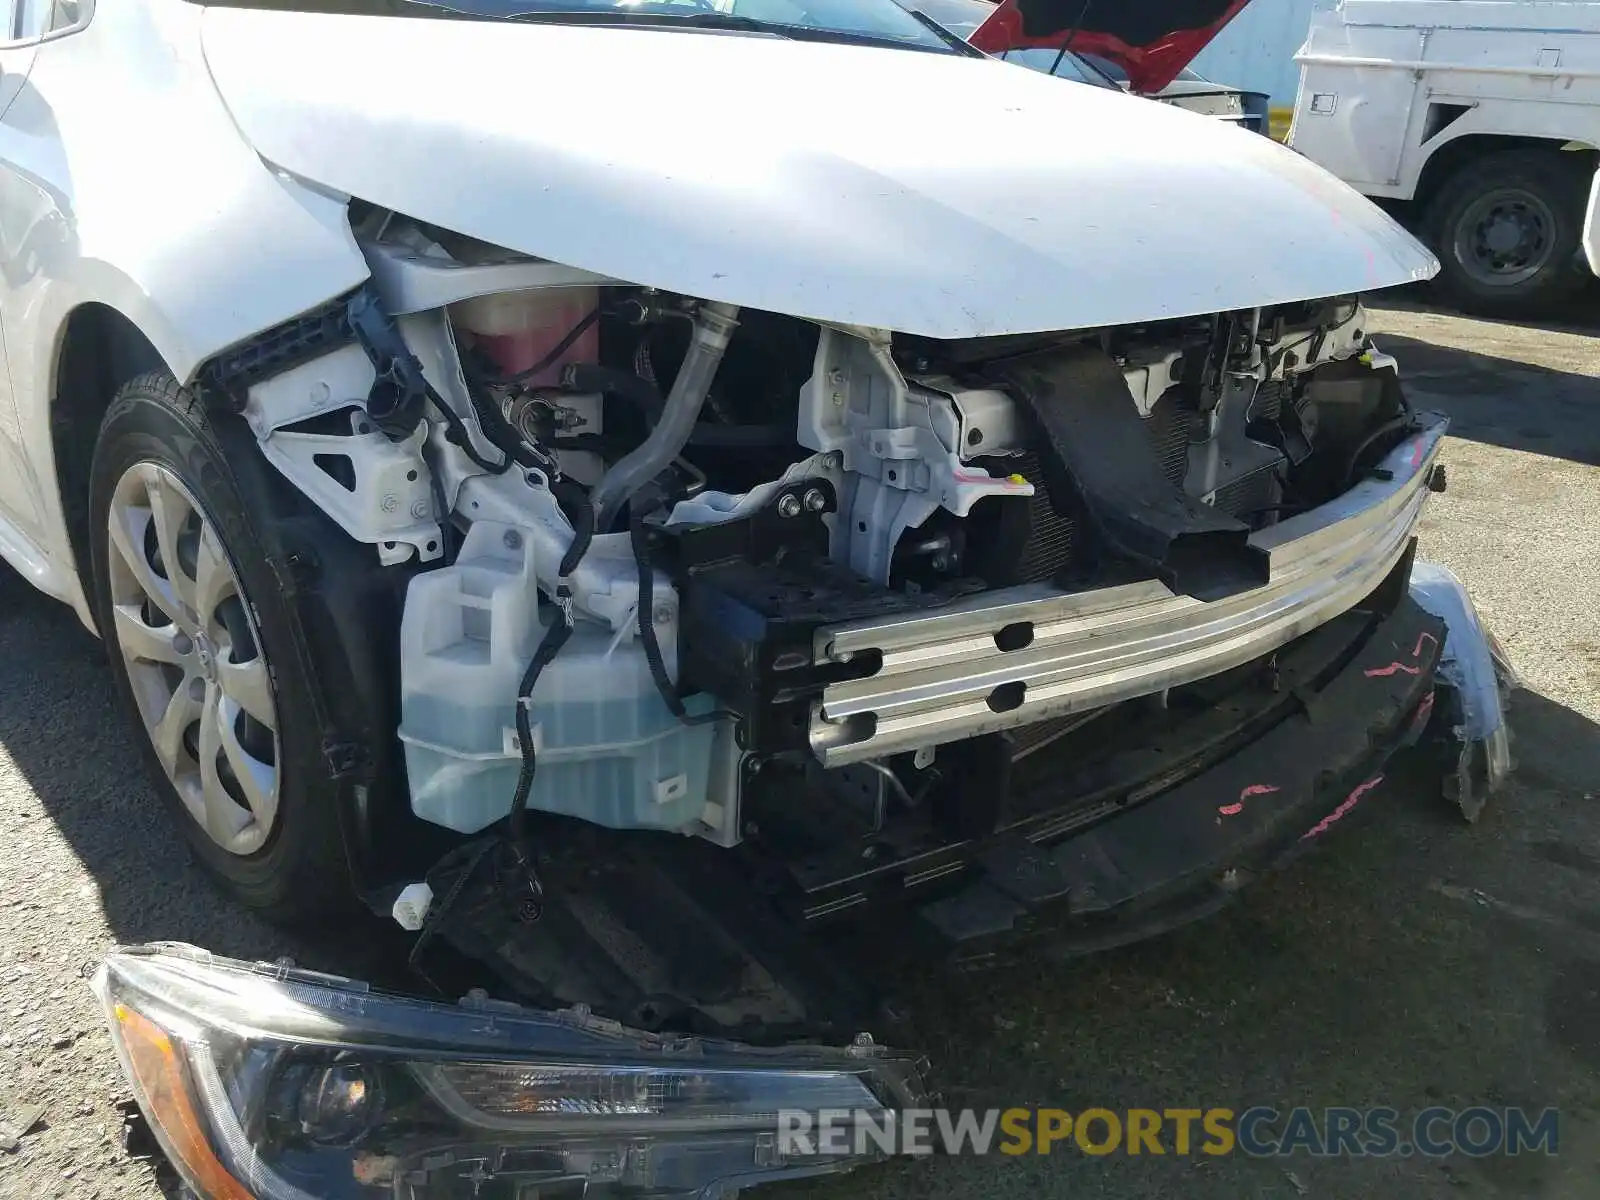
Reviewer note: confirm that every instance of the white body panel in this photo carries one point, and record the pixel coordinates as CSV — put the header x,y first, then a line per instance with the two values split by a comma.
x,y
124,183
1373,69
925,193
1591,227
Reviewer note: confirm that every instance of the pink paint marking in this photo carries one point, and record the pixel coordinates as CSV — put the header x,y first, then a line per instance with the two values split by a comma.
x,y
1424,710
1397,666
970,477
1417,449
1338,814
1255,789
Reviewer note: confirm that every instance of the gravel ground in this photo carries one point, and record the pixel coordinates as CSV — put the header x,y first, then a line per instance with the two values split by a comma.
x,y
1418,961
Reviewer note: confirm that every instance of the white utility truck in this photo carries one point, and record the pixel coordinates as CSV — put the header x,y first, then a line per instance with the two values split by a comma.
x,y
1477,122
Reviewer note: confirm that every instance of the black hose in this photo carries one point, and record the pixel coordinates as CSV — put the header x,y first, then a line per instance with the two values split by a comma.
x,y
645,397
1392,425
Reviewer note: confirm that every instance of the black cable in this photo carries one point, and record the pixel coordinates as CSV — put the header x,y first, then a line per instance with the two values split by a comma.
x,y
474,853
550,645
560,348
645,501
555,637
446,529
456,434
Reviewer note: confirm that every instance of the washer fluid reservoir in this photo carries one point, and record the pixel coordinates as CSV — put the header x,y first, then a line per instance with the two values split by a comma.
x,y
609,749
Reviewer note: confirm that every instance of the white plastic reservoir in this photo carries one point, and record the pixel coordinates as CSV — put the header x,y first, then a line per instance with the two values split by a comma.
x,y
609,749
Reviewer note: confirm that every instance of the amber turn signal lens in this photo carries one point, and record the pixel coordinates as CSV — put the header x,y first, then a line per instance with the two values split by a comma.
x,y
159,1074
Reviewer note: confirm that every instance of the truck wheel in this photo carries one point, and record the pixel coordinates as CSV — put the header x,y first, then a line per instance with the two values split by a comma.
x,y
1507,229
206,651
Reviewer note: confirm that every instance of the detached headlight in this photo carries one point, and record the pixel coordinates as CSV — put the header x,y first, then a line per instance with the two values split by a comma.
x,y
263,1083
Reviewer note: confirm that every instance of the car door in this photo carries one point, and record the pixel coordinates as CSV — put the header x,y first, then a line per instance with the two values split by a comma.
x,y
24,23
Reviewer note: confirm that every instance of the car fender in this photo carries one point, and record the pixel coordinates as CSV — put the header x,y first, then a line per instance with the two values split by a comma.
x,y
190,236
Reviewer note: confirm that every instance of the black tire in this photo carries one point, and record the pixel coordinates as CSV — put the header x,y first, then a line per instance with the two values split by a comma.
x,y
1537,196
301,871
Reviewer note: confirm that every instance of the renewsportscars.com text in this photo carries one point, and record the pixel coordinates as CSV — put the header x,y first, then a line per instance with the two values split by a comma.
x,y
1259,1131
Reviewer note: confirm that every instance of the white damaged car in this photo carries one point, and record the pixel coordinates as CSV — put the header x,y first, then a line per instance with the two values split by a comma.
x,y
638,491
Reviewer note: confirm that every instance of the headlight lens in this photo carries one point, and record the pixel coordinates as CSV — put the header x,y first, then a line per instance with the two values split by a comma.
x,y
269,1084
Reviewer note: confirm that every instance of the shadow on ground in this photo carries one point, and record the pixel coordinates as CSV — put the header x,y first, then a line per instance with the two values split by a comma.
x,y
63,728
1557,413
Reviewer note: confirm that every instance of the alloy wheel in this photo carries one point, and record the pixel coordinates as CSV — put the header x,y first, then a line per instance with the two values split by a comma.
x,y
194,659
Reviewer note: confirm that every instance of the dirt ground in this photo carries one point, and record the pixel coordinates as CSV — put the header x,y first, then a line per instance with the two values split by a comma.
x,y
1414,961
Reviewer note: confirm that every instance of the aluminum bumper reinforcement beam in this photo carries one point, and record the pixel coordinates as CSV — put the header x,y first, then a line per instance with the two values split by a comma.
x,y
945,675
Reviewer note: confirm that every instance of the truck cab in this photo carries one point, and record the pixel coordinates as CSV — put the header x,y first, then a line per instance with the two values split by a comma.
x,y
1477,124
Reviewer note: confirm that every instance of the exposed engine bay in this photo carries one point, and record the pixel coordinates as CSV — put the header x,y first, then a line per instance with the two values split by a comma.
x,y
672,560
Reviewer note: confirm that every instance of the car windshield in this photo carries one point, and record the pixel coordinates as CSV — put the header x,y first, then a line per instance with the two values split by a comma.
x,y
1053,62
871,21
960,17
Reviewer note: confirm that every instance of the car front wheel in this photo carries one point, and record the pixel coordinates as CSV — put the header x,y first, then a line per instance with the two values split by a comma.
x,y
207,652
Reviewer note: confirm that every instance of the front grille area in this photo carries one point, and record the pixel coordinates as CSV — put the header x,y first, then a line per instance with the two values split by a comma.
x,y
1171,427
1049,546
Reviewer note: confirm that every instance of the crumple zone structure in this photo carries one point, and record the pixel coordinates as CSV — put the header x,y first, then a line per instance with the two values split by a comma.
x,y
860,547
864,613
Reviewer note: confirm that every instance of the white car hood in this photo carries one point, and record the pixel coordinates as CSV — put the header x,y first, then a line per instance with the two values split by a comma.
x,y
926,193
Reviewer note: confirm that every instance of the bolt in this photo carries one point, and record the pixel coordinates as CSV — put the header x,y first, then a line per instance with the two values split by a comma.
x,y
512,539
838,399
663,614
420,509
836,377
181,643
815,500
389,503
789,505
832,460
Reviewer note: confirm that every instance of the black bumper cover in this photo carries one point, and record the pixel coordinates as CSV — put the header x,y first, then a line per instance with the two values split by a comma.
x,y
1184,853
